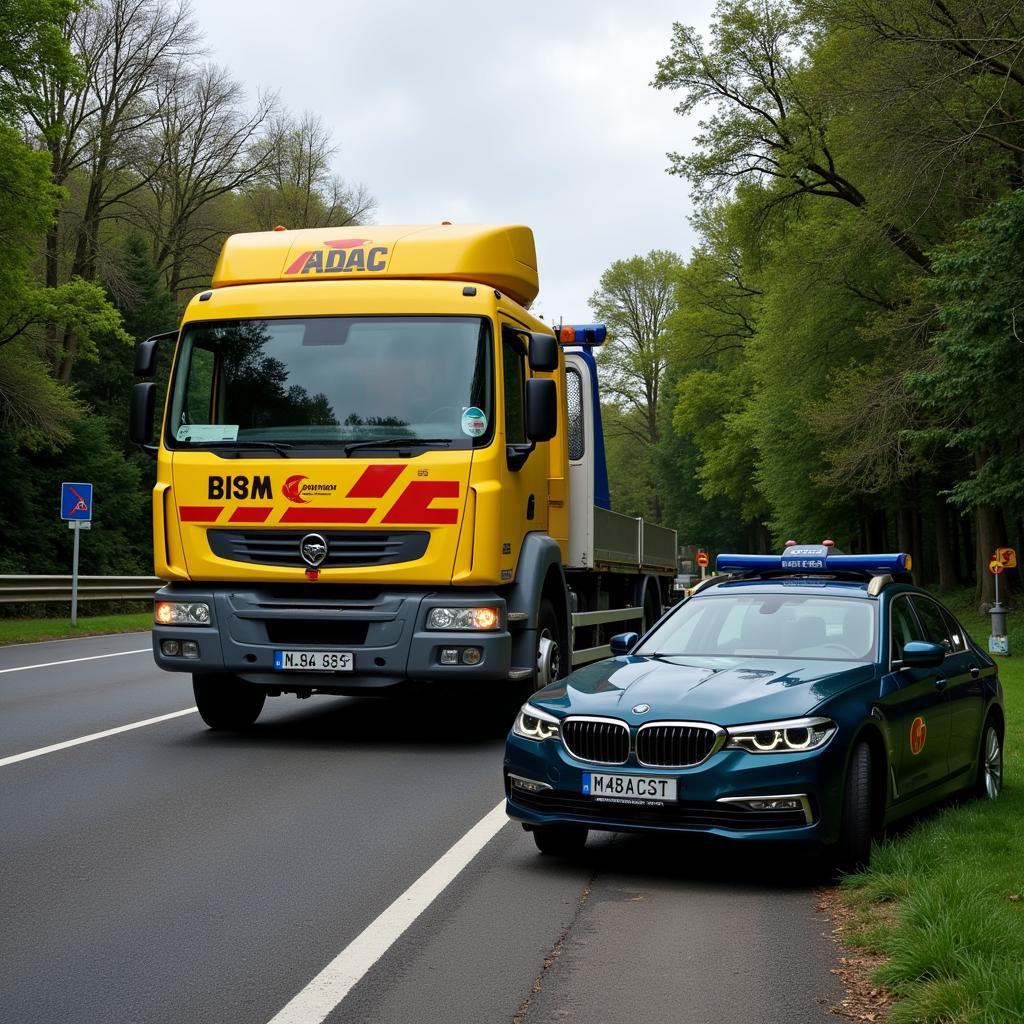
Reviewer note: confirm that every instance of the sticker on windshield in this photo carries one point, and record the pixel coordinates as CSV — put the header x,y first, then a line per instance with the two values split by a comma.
x,y
474,422
203,432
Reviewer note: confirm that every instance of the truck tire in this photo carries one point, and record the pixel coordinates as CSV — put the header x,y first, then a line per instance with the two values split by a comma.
x,y
225,702
550,646
652,607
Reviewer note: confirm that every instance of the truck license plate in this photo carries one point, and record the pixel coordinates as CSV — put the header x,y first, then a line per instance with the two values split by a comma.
x,y
630,789
312,661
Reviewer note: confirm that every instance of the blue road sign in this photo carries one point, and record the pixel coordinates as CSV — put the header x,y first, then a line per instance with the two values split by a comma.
x,y
76,501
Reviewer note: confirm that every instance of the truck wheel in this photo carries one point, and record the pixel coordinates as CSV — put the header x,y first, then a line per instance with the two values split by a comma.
x,y
549,646
225,702
652,608
853,850
560,840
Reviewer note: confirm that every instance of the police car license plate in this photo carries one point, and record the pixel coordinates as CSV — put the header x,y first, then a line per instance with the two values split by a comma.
x,y
631,789
312,661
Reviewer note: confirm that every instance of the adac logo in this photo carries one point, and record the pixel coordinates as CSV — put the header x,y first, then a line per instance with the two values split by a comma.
x,y
297,489
918,734
341,255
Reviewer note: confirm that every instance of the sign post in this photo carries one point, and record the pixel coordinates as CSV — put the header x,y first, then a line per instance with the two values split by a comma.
x,y
1002,559
76,510
702,561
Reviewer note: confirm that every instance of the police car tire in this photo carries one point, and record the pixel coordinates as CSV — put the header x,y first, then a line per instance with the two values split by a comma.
x,y
854,848
560,840
991,743
226,703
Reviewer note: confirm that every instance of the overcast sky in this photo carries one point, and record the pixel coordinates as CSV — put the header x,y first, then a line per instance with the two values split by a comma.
x,y
537,113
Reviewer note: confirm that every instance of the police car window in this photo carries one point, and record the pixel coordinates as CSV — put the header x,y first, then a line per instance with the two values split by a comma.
x,y
904,627
932,622
956,632
770,626
574,400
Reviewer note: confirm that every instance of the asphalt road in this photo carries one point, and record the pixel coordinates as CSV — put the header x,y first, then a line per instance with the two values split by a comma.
x,y
170,874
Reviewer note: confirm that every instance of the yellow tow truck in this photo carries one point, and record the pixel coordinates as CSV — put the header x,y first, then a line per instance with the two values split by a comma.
x,y
376,469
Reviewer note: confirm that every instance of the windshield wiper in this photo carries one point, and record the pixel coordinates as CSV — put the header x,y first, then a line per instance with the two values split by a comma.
x,y
281,447
394,442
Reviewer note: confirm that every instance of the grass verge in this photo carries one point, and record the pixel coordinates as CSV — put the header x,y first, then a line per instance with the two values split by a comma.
x,y
20,631
944,902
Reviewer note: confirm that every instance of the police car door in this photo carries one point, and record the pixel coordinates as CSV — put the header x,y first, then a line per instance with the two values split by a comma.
x,y
916,708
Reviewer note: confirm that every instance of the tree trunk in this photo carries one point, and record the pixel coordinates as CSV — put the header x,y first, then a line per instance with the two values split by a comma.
x,y
945,551
989,537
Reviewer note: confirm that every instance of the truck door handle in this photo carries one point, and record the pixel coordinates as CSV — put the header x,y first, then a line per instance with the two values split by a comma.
x,y
940,683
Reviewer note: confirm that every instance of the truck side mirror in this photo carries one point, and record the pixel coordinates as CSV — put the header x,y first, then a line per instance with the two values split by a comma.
x,y
543,354
541,409
140,418
145,357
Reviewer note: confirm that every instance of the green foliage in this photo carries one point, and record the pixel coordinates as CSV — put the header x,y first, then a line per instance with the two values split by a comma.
x,y
977,374
32,45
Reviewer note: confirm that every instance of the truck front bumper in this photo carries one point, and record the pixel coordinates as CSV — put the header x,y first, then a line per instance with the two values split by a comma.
x,y
384,630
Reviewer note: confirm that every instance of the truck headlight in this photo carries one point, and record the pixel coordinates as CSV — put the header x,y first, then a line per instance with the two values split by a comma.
x,y
788,737
464,618
533,724
181,613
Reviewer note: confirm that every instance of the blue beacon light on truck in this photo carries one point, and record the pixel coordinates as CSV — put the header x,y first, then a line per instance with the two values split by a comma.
x,y
813,558
590,335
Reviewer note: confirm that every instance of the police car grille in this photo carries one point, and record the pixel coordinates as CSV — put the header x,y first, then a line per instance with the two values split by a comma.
x,y
345,548
603,742
674,746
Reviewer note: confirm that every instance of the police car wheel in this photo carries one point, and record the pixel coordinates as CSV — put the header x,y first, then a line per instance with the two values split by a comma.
x,y
560,840
989,781
853,850
225,702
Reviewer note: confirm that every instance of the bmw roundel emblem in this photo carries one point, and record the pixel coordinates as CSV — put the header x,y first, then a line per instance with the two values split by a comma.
x,y
313,549
641,709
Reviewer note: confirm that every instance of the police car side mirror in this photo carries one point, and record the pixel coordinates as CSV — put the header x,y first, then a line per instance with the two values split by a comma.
x,y
140,418
922,654
541,409
623,643
543,354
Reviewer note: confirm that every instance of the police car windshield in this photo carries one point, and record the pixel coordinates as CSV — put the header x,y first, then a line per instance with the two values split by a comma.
x,y
811,626
333,381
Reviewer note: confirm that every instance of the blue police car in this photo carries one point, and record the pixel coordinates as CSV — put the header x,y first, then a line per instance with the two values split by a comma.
x,y
811,697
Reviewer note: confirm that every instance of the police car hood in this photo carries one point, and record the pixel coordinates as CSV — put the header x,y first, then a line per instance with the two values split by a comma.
x,y
726,691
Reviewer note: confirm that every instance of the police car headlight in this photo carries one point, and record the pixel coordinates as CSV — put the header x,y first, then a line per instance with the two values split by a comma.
x,y
181,613
789,737
533,724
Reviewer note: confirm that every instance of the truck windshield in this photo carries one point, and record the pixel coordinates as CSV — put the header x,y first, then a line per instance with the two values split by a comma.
x,y
768,626
331,381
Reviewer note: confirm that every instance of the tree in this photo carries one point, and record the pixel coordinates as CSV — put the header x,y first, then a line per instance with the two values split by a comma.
x,y
297,186
635,299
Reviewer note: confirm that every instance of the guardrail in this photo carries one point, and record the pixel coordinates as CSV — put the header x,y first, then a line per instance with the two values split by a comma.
x,y
41,589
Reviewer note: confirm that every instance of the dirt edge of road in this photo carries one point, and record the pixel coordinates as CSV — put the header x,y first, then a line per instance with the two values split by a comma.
x,y
865,999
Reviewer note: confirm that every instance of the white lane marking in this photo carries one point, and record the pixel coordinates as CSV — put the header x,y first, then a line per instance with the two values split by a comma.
x,y
71,661
39,751
336,980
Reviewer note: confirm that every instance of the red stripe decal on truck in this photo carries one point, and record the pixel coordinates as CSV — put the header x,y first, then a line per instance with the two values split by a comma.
x,y
200,513
413,505
250,514
375,481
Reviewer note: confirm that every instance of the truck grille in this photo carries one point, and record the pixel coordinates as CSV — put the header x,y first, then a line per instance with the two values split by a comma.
x,y
317,632
345,548
675,744
603,741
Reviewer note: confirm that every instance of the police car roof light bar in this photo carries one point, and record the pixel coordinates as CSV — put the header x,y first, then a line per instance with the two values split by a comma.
x,y
589,335
815,558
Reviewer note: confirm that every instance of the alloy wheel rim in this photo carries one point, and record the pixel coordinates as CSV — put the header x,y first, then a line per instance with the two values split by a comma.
x,y
547,659
993,764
